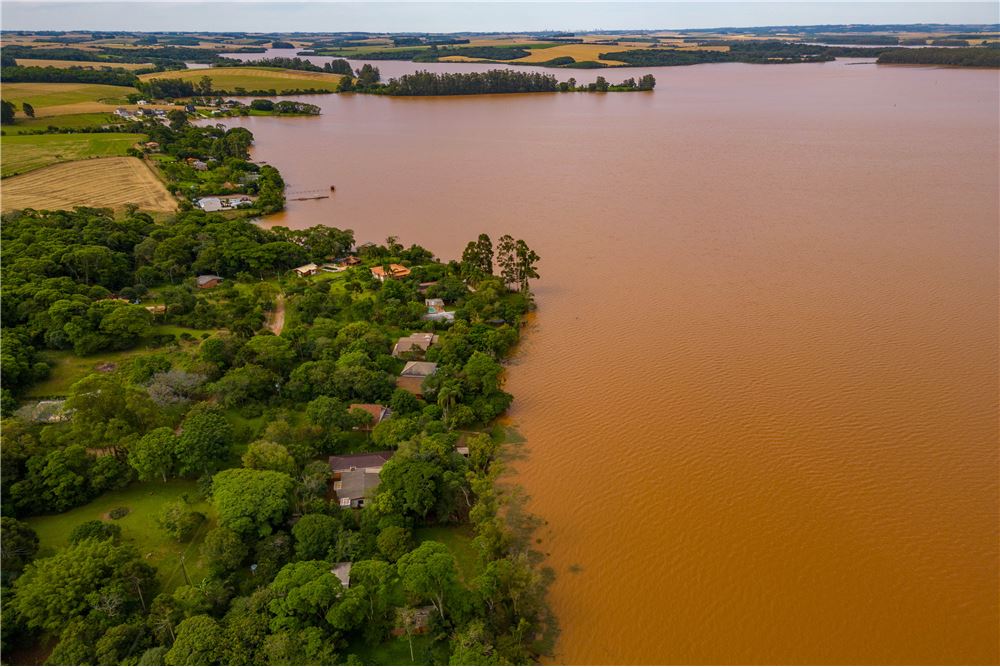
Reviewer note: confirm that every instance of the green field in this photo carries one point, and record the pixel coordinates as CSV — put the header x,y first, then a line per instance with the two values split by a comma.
x,y
255,78
144,501
70,121
43,95
24,153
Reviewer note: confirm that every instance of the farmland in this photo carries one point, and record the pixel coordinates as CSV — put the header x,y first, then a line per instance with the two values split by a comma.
x,y
69,121
25,153
108,182
50,99
254,78
83,64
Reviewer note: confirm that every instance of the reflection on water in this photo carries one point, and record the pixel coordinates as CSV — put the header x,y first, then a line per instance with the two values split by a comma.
x,y
760,396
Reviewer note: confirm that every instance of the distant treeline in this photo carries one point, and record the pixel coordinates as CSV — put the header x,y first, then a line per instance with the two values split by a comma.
x,y
876,40
761,52
21,74
962,57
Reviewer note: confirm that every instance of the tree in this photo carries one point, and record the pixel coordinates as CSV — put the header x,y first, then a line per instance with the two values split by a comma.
x,y
204,440
507,260
304,592
527,260
18,545
224,550
53,591
7,111
251,502
263,455
272,352
199,642
28,110
178,521
394,542
314,535
429,573
153,454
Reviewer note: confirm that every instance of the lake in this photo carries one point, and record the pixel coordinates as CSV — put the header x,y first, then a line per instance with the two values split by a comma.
x,y
760,394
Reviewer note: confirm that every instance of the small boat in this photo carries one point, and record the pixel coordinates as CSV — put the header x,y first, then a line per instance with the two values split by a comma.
x,y
332,188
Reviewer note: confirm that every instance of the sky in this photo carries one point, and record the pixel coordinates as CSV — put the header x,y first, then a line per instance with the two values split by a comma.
x,y
487,16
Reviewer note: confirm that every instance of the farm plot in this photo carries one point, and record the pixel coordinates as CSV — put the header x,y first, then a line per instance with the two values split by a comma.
x,y
254,78
27,152
102,183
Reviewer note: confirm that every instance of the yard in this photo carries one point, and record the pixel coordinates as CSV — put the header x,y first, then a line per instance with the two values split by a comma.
x,y
143,501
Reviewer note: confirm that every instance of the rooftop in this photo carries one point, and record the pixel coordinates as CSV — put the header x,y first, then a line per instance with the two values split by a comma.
x,y
419,369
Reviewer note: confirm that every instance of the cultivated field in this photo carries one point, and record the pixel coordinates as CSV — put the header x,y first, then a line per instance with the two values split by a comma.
x,y
103,183
254,78
53,99
84,64
69,121
27,152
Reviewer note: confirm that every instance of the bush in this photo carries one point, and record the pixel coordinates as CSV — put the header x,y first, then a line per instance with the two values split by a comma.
x,y
118,512
97,530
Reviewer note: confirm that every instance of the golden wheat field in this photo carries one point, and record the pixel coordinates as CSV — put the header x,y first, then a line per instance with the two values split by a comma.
x,y
103,183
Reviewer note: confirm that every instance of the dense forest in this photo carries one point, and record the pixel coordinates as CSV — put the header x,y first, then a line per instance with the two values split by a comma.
x,y
967,57
245,420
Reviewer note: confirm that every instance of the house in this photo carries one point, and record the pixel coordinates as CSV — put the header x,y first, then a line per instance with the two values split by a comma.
x,y
152,145
306,270
413,376
419,621
378,412
198,165
159,309
209,204
417,342
436,311
122,112
343,572
355,476
208,281
142,103
345,262
395,272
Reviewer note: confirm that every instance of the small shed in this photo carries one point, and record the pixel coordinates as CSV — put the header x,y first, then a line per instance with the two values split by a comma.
x,y
208,281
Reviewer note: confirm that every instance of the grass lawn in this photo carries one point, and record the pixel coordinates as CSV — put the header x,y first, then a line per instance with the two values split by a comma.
x,y
69,121
67,368
458,539
43,95
24,153
144,501
255,78
395,651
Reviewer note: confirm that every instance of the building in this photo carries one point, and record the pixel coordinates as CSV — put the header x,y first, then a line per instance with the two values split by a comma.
x,y
355,476
208,281
413,376
211,204
396,271
152,145
159,309
348,261
378,412
436,311
306,270
198,165
343,572
416,342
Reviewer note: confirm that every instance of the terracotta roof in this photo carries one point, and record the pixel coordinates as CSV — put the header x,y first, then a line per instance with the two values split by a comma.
x,y
378,412
395,271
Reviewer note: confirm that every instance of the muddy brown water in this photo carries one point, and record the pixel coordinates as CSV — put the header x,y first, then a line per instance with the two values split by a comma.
x,y
760,395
